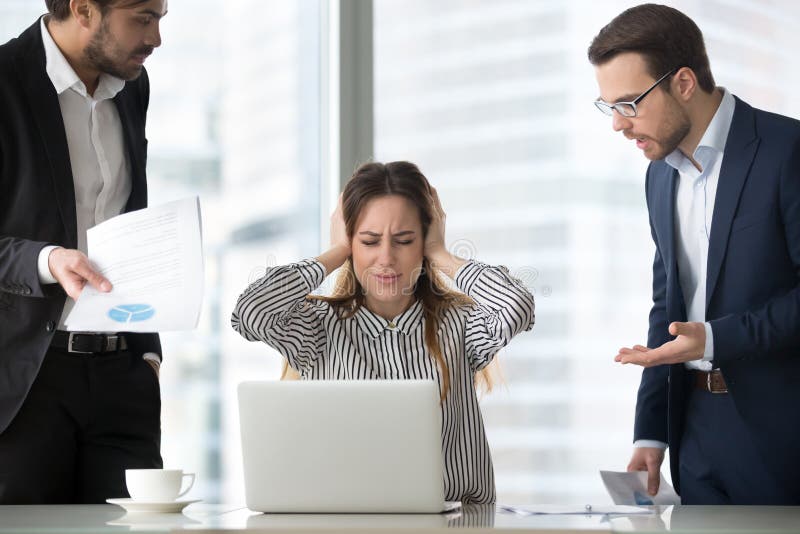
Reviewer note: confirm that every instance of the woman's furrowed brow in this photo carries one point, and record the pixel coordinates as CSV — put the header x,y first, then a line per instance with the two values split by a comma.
x,y
377,234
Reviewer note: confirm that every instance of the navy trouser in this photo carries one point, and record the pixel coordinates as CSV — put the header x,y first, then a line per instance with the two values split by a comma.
x,y
719,462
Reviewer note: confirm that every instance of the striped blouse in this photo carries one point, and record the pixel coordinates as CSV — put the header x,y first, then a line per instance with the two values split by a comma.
x,y
320,345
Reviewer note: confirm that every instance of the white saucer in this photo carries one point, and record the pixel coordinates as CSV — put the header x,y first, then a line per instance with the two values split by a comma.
x,y
152,507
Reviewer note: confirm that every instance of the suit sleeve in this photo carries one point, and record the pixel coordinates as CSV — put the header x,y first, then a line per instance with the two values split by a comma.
x,y
651,403
19,258
19,274
775,326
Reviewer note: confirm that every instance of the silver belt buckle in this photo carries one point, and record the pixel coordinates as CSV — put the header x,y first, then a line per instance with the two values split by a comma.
x,y
71,340
112,339
708,385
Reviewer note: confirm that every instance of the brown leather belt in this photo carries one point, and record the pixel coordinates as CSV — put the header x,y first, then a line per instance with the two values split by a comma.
x,y
712,381
88,343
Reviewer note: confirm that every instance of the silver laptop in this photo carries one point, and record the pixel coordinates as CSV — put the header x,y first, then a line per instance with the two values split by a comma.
x,y
320,446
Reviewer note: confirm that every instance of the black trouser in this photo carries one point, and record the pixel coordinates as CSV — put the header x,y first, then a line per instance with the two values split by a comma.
x,y
86,419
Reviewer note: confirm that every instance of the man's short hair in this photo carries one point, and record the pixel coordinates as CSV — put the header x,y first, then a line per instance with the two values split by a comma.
x,y
59,9
665,37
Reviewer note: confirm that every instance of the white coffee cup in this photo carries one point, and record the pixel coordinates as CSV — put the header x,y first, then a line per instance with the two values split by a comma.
x,y
157,485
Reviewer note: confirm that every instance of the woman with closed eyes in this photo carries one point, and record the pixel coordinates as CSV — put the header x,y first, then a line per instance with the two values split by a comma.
x,y
391,315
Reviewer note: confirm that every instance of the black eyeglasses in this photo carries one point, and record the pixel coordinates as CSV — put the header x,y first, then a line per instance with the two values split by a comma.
x,y
628,109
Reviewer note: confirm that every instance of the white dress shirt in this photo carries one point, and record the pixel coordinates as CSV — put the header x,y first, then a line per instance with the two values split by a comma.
x,y
320,344
98,158
694,209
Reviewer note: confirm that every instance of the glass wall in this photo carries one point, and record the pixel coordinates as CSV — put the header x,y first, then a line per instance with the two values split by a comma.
x,y
492,98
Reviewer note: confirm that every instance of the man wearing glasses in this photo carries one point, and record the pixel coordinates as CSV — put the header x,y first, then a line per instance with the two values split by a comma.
x,y
721,378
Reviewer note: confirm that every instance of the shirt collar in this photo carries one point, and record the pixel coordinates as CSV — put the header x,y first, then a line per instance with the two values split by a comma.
x,y
63,76
373,325
714,139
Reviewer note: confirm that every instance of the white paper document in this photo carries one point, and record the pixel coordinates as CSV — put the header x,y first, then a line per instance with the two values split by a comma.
x,y
154,260
631,488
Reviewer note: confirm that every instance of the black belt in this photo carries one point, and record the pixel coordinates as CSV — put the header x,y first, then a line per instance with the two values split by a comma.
x,y
88,343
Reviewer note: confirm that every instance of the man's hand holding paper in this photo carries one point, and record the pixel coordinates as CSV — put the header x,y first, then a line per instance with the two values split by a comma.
x,y
73,271
153,259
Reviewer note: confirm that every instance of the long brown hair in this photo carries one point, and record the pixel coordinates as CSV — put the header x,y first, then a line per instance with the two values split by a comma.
x,y
401,178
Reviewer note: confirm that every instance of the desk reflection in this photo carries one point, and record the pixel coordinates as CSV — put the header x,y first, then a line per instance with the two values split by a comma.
x,y
474,516
469,516
682,518
148,521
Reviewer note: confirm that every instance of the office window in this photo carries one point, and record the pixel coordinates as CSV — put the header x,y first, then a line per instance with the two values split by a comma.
x,y
493,99
17,15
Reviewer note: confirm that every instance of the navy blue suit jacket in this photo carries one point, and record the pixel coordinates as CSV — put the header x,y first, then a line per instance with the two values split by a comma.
x,y
37,207
752,292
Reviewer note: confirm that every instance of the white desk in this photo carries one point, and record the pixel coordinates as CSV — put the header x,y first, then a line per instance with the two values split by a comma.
x,y
219,518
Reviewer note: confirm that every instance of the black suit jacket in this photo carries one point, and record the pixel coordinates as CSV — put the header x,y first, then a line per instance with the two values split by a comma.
x,y
752,292
37,207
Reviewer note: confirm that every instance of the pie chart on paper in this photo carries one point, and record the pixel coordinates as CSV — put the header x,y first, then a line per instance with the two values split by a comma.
x,y
131,313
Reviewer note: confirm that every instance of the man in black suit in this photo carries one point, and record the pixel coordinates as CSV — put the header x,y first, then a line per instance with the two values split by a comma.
x,y
76,409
